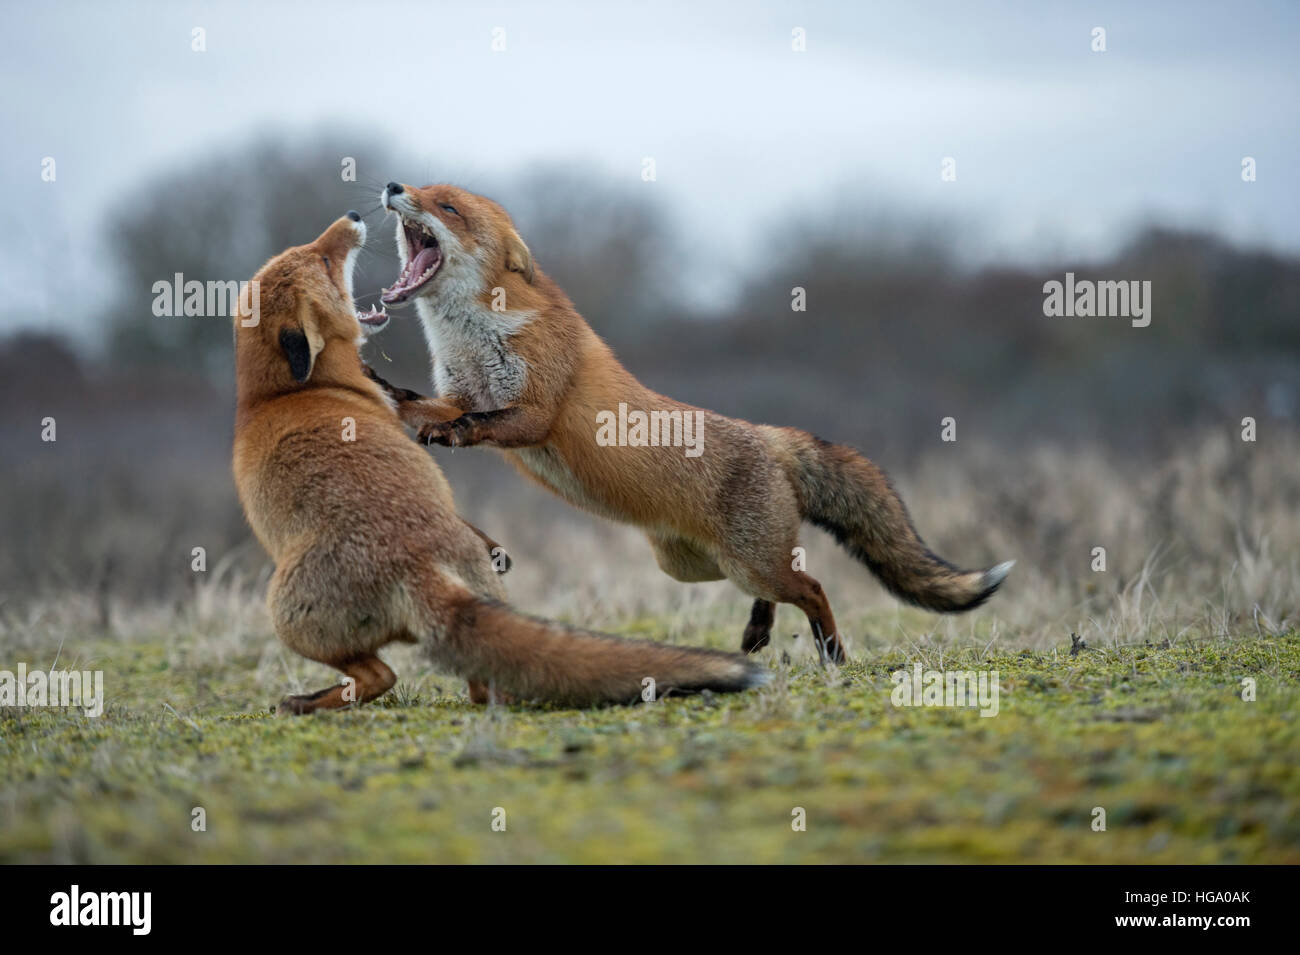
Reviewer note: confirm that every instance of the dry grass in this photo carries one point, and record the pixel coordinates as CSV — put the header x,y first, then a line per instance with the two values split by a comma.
x,y
1205,544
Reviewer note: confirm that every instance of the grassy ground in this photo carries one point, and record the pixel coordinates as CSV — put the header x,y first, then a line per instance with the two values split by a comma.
x,y
1157,735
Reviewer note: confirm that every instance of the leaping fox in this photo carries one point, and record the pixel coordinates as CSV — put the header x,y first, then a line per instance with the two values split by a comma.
x,y
516,366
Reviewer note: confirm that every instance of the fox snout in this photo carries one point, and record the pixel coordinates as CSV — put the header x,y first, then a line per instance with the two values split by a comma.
x,y
344,235
391,192
374,318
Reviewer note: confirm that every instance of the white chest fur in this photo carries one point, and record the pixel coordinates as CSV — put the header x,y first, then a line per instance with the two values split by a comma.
x,y
472,357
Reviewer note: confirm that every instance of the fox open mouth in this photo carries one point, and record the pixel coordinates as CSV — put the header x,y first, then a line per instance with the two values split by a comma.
x,y
422,260
373,319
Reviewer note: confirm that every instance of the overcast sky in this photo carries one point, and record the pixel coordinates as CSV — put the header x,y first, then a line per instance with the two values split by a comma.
x,y
1058,149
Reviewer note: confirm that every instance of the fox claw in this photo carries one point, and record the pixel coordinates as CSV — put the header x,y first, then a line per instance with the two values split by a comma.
x,y
452,434
439,433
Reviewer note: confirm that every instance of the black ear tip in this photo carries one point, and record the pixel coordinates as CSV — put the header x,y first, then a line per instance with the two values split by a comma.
x,y
296,352
354,215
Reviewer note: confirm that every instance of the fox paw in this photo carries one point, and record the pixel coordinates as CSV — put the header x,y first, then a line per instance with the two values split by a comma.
x,y
453,434
294,706
834,651
298,705
755,639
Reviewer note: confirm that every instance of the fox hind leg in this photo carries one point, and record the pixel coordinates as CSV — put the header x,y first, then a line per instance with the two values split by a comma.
x,y
812,601
371,679
758,632
790,587
807,594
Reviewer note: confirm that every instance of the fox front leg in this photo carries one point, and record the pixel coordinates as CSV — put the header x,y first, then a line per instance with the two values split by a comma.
x,y
398,395
415,409
517,427
425,413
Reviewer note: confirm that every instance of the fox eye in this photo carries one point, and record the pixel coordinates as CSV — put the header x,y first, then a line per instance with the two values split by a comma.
x,y
326,260
450,208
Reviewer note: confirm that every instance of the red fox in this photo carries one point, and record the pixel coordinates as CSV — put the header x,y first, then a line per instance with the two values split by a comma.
x,y
516,366
363,531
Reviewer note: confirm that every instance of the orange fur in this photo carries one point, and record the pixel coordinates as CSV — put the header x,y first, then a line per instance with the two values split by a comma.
x,y
528,375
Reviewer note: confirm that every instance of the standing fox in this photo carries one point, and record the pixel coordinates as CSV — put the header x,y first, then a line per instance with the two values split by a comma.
x,y
515,366
361,525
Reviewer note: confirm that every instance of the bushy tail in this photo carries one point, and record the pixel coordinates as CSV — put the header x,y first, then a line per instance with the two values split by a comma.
x,y
531,658
844,493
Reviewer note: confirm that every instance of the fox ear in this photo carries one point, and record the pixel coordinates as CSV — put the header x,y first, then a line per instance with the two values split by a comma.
x,y
518,258
301,345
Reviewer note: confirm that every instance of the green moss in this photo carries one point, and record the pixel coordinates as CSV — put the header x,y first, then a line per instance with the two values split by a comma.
x,y
1157,736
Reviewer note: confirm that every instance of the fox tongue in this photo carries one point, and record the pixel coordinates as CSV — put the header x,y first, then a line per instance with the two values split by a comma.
x,y
420,264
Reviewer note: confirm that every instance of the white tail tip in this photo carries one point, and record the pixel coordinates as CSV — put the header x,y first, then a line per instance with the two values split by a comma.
x,y
995,575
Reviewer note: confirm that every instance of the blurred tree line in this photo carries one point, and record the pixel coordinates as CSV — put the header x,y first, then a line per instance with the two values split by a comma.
x,y
893,335
896,336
